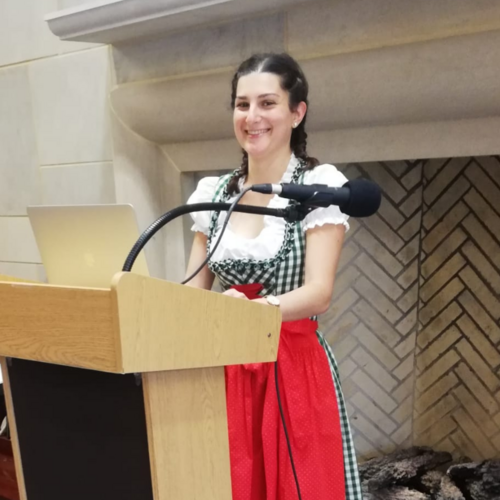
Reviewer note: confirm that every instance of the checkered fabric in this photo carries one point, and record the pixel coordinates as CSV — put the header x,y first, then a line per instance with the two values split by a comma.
x,y
278,275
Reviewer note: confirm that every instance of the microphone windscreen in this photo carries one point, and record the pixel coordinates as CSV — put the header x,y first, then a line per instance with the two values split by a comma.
x,y
364,200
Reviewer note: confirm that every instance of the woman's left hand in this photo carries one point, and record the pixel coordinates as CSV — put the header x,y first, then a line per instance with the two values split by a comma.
x,y
234,293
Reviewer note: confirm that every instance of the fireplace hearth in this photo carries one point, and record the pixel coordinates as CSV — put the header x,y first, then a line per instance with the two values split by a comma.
x,y
420,473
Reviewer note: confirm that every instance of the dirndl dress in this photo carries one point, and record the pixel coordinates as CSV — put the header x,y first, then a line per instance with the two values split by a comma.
x,y
308,379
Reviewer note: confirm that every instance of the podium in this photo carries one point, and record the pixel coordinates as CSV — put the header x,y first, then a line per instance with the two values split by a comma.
x,y
119,393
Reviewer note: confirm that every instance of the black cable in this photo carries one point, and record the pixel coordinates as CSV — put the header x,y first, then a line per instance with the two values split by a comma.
x,y
290,454
209,256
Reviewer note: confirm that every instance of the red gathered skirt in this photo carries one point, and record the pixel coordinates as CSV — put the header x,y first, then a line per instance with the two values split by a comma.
x,y
260,462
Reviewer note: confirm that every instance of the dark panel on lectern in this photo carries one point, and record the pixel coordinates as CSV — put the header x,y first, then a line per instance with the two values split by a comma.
x,y
82,433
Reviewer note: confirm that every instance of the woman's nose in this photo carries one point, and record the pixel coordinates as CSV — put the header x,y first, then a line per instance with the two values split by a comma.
x,y
253,114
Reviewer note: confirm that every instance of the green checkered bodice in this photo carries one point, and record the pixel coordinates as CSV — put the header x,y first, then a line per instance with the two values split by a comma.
x,y
279,274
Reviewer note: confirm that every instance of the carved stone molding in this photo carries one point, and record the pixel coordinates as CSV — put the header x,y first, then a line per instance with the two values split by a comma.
x,y
455,81
111,21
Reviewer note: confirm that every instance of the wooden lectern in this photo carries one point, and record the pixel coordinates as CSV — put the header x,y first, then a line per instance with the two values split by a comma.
x,y
119,393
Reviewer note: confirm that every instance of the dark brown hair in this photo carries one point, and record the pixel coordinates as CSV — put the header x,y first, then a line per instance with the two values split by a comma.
x,y
294,82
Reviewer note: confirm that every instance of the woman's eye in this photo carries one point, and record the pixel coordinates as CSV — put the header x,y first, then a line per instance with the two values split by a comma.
x,y
268,103
242,105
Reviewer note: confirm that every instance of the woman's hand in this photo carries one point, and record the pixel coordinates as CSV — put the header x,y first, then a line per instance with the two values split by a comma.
x,y
234,293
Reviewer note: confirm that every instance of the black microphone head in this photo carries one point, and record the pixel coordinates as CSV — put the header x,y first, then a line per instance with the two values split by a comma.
x,y
364,200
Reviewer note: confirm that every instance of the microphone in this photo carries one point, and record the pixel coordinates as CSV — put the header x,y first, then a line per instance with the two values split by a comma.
x,y
356,198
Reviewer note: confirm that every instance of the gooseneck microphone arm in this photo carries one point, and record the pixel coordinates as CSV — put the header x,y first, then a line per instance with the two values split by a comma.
x,y
291,213
357,198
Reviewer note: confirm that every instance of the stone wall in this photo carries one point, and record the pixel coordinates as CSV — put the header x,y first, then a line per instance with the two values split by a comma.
x,y
55,136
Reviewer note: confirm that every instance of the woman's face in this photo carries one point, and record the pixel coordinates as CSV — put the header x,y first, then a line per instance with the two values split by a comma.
x,y
262,118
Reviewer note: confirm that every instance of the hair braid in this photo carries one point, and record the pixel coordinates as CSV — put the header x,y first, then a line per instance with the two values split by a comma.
x,y
242,172
299,146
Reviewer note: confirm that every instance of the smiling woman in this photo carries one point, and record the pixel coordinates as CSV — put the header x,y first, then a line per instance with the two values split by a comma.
x,y
289,434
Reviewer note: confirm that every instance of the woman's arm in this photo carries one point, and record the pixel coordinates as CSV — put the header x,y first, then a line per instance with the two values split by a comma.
x,y
323,247
205,278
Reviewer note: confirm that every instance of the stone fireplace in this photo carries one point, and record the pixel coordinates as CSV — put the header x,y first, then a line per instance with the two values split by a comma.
x,y
407,97
415,316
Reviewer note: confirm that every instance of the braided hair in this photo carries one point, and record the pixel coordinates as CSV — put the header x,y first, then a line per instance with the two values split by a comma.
x,y
294,82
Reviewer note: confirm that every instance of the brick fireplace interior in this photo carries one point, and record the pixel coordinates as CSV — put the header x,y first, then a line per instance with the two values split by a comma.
x,y
414,319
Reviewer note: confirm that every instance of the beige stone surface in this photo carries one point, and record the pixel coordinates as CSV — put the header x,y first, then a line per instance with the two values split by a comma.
x,y
19,176
17,243
25,36
70,101
176,235
362,95
67,4
349,25
82,184
137,166
153,109
117,21
383,86
400,141
192,51
204,155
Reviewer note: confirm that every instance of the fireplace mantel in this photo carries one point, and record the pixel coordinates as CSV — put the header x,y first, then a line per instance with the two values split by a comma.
x,y
376,96
112,21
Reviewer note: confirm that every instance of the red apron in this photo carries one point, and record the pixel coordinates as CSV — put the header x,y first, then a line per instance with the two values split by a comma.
x,y
260,462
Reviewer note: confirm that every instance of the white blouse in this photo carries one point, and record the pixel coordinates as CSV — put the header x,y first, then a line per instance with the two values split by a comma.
x,y
270,239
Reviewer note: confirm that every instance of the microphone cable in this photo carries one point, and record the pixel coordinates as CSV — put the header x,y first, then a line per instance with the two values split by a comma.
x,y
290,454
224,226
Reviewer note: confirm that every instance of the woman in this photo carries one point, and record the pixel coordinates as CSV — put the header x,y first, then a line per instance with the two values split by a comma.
x,y
264,259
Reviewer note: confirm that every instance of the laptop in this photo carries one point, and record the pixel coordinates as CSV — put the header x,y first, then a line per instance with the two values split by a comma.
x,y
85,245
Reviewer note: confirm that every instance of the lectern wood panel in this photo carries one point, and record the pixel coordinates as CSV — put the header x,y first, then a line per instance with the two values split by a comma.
x,y
67,326
166,326
139,325
82,434
83,427
188,437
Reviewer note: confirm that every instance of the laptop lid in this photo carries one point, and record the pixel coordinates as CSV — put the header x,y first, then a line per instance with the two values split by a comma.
x,y
85,245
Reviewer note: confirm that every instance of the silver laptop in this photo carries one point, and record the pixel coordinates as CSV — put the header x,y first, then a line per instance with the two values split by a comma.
x,y
85,245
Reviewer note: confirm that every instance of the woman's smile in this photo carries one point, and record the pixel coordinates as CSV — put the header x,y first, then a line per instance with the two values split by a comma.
x,y
256,134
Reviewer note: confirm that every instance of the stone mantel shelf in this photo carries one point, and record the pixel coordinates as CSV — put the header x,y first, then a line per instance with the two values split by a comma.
x,y
457,79
440,93
112,21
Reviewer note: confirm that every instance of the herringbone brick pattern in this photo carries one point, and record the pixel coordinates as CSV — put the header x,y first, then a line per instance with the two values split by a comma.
x,y
372,322
457,392
429,260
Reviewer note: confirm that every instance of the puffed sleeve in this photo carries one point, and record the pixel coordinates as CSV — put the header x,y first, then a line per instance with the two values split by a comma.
x,y
204,193
325,174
